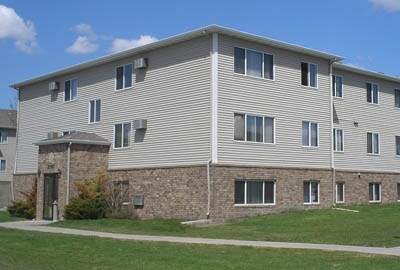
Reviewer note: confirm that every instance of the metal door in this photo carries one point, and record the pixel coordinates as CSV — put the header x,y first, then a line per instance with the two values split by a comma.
x,y
50,194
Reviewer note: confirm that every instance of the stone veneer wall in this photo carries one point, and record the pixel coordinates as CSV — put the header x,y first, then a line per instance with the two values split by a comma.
x,y
22,182
85,161
356,185
168,192
289,189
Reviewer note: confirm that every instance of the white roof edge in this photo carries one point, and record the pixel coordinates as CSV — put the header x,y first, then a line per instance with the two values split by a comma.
x,y
366,72
174,39
76,141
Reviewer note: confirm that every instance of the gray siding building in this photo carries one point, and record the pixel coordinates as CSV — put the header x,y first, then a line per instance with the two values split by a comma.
x,y
213,123
8,126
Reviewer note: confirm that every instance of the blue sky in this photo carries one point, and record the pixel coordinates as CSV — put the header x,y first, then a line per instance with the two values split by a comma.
x,y
37,37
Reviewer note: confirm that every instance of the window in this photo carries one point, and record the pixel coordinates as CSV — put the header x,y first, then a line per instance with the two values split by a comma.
x,y
253,63
337,86
310,134
373,143
339,192
372,93
311,192
374,192
398,145
94,111
338,140
254,192
120,192
3,165
68,132
122,135
309,74
398,192
124,77
71,90
397,98
252,128
3,136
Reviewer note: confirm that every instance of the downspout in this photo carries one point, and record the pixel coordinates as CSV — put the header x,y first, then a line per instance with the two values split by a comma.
x,y
16,144
332,154
68,172
214,117
208,189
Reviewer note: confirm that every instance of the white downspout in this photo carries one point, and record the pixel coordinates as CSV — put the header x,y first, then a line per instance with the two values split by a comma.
x,y
332,156
16,146
208,189
68,172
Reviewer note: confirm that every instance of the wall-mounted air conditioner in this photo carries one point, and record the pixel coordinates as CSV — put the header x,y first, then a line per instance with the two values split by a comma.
x,y
140,63
140,124
52,135
54,86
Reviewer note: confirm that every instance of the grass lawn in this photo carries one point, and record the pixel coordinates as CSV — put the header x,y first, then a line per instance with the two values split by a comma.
x,y
33,250
374,225
5,217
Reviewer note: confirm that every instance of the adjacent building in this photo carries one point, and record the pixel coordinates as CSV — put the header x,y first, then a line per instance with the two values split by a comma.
x,y
8,126
213,123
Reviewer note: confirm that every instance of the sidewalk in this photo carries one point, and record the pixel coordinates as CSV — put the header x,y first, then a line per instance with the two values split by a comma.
x,y
40,226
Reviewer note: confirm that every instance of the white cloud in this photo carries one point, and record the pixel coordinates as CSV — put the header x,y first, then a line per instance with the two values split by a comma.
x,y
14,27
120,44
86,41
388,5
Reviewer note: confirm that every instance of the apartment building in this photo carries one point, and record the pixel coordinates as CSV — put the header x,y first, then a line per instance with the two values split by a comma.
x,y
8,126
213,123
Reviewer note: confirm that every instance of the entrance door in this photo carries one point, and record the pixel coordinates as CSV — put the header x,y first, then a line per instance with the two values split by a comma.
x,y
50,194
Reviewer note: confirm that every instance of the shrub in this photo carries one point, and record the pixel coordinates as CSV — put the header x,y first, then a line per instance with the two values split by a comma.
x,y
25,208
90,201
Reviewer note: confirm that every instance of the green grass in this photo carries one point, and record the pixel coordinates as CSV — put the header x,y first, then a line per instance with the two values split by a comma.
x,y
5,217
33,250
374,225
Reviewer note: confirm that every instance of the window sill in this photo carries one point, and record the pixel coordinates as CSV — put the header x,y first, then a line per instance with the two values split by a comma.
x,y
341,202
375,202
257,205
94,123
309,87
254,77
373,155
373,104
338,152
71,101
310,147
311,204
338,98
123,89
256,143
122,148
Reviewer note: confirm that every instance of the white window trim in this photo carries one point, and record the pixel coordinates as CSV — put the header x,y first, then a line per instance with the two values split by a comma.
x,y
379,144
263,193
395,145
372,93
245,129
5,166
77,88
309,75
123,78
373,192
122,138
5,141
319,198
335,87
263,67
309,132
395,90
335,147
94,122
336,193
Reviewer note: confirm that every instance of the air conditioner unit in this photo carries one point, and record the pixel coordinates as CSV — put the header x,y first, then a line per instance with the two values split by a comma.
x,y
138,200
52,135
140,63
53,86
140,124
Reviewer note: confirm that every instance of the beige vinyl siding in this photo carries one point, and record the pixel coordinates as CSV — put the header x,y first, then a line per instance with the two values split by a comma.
x,y
173,94
284,98
7,152
380,119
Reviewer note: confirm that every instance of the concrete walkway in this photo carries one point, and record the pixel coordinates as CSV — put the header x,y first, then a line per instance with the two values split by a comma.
x,y
40,226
